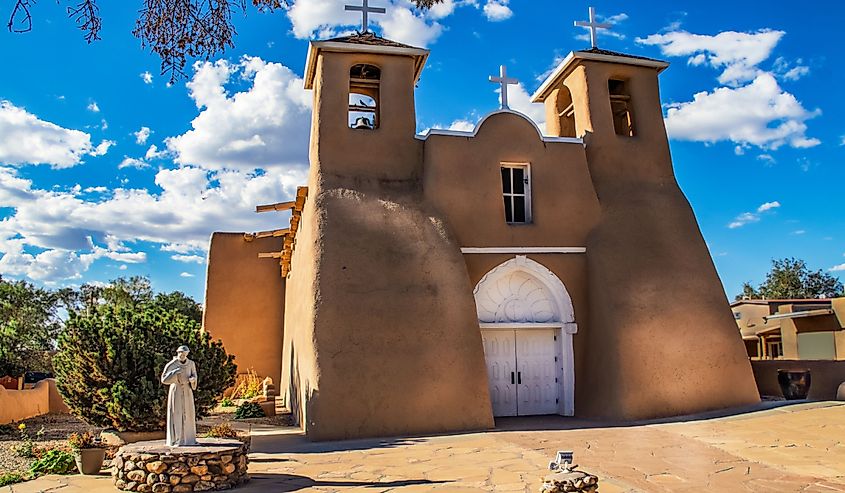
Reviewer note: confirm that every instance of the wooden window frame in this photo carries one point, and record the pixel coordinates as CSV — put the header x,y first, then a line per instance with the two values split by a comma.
x,y
526,167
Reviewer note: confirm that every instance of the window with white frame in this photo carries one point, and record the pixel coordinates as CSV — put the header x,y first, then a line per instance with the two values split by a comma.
x,y
516,191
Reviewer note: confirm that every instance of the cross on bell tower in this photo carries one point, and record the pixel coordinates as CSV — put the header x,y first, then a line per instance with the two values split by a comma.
x,y
365,10
593,26
504,81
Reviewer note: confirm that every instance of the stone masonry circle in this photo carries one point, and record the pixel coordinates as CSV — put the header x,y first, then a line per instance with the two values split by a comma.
x,y
153,467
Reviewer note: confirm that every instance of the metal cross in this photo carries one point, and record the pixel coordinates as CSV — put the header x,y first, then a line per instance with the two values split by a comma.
x,y
365,10
504,81
593,26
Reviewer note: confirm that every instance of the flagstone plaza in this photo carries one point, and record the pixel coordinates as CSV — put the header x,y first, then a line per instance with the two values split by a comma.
x,y
798,447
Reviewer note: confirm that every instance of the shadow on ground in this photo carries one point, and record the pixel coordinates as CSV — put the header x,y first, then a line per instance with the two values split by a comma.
x,y
555,422
282,483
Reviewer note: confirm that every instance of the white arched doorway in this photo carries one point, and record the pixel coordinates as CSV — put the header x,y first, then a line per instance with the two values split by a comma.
x,y
527,323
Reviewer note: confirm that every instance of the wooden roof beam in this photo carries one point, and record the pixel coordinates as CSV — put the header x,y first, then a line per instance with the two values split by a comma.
x,y
270,255
273,233
279,206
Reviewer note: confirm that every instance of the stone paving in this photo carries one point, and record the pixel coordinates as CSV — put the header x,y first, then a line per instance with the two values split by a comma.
x,y
799,447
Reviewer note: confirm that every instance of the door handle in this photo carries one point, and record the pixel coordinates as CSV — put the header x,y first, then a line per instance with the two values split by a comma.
x,y
512,381
519,377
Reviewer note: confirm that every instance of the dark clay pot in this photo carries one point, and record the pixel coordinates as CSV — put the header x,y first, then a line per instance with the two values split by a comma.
x,y
90,460
795,384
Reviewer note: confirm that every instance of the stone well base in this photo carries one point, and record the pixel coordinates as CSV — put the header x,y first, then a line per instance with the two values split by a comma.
x,y
213,464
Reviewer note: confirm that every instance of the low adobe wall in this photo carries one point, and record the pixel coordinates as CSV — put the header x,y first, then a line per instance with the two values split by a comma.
x,y
826,376
245,302
44,398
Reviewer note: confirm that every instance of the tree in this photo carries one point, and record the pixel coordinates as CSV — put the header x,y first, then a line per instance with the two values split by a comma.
x,y
29,324
175,30
110,361
790,278
181,303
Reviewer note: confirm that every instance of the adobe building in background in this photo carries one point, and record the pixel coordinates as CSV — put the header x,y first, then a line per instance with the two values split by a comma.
x,y
433,282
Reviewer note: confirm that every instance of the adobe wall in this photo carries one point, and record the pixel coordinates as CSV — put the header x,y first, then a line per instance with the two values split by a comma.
x,y
825,376
17,405
658,311
388,343
462,179
244,301
299,381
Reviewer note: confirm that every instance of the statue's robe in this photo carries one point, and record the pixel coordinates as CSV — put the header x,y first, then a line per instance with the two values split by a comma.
x,y
181,415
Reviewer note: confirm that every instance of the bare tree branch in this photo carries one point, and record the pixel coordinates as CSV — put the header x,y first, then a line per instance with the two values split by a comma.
x,y
21,15
175,30
87,16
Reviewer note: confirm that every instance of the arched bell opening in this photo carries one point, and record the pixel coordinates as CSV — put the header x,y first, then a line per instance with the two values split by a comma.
x,y
363,111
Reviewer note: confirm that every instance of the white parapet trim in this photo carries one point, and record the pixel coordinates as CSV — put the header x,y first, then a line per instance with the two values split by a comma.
x,y
524,250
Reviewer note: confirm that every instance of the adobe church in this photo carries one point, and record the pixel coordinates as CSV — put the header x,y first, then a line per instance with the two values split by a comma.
x,y
430,283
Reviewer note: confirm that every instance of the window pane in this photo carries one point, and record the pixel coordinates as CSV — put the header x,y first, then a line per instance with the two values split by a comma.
x,y
508,210
519,209
506,180
518,180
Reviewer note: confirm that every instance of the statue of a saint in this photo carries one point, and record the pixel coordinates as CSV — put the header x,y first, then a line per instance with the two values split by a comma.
x,y
181,375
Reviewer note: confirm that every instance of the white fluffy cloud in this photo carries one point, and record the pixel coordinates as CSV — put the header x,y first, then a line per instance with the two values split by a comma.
x,y
56,235
750,108
26,139
93,107
737,54
147,77
520,100
753,217
761,114
497,10
131,162
265,126
196,259
142,135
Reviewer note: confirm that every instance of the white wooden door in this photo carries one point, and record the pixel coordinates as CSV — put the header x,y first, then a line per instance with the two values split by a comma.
x,y
500,355
537,376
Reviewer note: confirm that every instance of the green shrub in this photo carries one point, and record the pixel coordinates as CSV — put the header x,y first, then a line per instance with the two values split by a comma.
x,y
110,360
249,410
227,402
53,462
10,478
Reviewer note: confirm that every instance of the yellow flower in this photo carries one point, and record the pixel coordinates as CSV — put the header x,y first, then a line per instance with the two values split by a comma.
x,y
22,426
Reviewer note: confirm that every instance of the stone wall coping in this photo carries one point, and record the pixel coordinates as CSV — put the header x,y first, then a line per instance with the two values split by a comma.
x,y
205,446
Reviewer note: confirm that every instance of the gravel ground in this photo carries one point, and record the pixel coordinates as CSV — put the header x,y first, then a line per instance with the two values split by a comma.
x,y
56,429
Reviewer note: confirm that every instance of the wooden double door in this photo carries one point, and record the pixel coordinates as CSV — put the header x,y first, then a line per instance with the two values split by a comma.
x,y
523,371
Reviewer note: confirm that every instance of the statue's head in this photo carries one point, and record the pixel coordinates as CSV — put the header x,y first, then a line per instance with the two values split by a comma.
x,y
182,352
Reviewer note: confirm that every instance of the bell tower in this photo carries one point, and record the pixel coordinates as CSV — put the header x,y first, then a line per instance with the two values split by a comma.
x,y
381,332
662,340
364,120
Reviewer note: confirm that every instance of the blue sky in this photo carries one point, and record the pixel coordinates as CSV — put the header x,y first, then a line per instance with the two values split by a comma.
x,y
106,170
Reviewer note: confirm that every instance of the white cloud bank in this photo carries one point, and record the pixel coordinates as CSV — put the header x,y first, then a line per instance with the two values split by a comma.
x,y
26,139
402,22
266,126
56,234
750,109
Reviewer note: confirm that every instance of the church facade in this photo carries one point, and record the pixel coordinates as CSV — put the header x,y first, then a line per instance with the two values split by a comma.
x,y
433,282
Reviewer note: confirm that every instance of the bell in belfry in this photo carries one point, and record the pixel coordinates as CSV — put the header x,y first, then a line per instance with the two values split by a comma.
x,y
363,122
